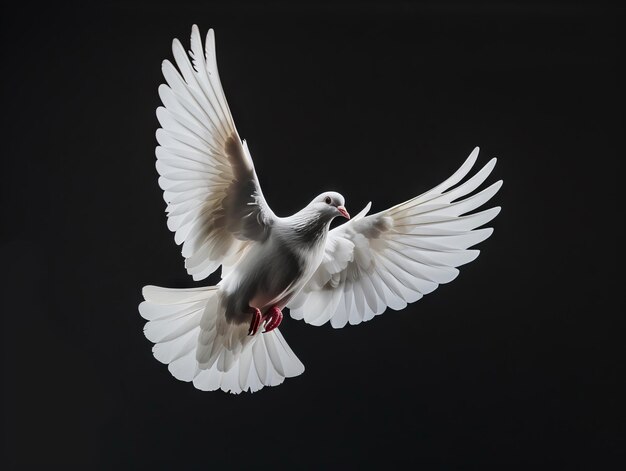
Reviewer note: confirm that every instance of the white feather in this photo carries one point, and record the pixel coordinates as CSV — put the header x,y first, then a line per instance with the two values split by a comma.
x,y
217,211
400,254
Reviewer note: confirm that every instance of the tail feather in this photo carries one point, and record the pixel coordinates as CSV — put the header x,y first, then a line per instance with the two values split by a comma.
x,y
159,295
255,368
192,337
167,352
156,312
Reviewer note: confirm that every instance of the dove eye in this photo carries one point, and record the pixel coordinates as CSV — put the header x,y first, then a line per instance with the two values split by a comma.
x,y
328,200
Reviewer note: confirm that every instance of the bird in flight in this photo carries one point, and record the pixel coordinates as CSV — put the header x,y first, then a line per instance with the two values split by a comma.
x,y
226,336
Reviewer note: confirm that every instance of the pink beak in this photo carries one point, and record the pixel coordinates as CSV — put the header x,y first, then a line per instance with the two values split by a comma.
x,y
343,212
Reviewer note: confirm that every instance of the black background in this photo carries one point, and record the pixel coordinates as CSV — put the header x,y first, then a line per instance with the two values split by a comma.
x,y
517,363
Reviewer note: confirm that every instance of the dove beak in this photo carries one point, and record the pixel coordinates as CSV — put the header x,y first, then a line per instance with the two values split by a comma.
x,y
343,212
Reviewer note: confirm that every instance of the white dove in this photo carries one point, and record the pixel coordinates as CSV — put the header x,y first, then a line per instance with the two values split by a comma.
x,y
226,336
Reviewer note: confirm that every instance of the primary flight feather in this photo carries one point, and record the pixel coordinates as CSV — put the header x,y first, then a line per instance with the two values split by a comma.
x,y
226,336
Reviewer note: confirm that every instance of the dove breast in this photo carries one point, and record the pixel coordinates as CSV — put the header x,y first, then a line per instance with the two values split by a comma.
x,y
268,274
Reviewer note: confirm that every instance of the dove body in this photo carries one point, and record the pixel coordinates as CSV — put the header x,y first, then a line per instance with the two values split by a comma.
x,y
270,273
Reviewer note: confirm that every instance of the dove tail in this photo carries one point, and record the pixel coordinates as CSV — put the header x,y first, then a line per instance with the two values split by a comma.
x,y
192,337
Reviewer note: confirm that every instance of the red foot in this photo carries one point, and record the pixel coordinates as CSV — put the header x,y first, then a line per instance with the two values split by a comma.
x,y
256,321
274,317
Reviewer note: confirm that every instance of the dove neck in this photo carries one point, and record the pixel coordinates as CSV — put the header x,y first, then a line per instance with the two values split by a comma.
x,y
310,227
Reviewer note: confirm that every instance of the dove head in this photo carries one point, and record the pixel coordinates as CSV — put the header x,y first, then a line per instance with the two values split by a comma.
x,y
312,222
330,204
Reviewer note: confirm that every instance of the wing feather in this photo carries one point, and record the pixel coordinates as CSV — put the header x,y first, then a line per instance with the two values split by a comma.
x,y
214,199
395,257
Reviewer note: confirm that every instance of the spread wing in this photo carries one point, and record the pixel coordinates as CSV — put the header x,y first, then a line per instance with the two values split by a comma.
x,y
394,257
214,201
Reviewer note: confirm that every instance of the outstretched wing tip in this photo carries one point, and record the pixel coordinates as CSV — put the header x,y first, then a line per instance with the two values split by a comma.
x,y
210,42
363,212
487,230
198,164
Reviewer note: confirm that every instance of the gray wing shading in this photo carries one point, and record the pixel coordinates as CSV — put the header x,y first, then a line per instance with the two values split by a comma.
x,y
394,257
215,204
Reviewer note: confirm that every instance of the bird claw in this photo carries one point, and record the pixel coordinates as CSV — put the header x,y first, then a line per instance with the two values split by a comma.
x,y
274,317
256,322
